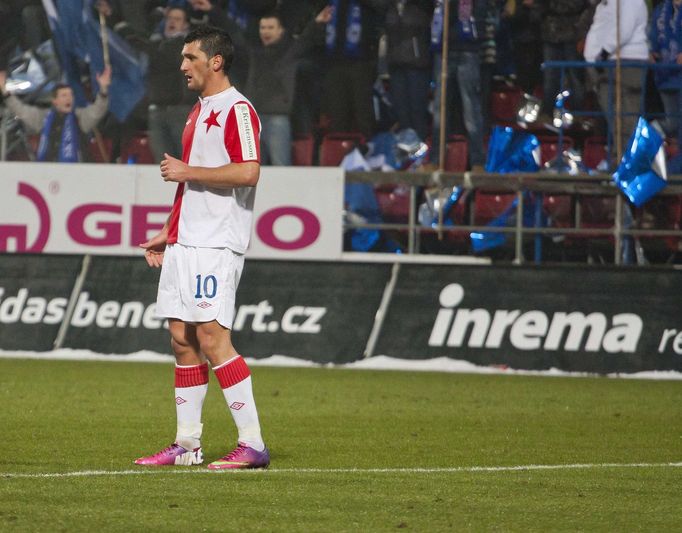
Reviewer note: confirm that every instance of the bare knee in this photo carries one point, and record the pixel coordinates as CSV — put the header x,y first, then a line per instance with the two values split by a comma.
x,y
184,344
215,343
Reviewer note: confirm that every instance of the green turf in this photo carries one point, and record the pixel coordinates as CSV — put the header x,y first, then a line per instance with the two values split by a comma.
x,y
63,417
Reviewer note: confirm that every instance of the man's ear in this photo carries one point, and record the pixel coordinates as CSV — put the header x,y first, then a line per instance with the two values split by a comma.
x,y
217,63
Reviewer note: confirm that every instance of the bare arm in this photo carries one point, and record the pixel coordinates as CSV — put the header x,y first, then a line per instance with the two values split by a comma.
x,y
231,175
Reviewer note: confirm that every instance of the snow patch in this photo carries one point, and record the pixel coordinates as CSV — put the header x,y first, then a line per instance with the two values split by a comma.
x,y
379,362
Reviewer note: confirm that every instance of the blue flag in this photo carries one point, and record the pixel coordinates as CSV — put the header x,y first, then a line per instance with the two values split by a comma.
x,y
78,41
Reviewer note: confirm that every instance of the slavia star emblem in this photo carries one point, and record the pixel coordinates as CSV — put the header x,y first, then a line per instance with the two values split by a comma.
x,y
212,120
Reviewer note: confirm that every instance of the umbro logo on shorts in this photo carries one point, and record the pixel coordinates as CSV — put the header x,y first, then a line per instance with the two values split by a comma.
x,y
236,405
179,400
204,305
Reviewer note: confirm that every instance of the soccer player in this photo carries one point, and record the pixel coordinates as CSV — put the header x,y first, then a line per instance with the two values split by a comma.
x,y
201,251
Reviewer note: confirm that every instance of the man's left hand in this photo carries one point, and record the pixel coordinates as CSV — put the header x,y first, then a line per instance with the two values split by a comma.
x,y
173,169
104,79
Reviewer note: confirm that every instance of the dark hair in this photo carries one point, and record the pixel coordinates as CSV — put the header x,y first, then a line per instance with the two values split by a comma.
x,y
272,14
213,42
59,87
179,8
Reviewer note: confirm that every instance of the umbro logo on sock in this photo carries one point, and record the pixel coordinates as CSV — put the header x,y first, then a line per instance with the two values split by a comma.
x,y
236,405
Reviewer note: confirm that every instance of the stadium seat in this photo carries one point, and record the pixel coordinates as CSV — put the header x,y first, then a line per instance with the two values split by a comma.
x,y
456,153
335,146
672,149
559,209
394,202
95,152
549,146
594,151
137,150
302,151
663,212
504,105
490,205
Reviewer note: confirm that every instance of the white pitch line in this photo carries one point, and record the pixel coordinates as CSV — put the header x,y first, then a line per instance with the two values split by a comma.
x,y
443,470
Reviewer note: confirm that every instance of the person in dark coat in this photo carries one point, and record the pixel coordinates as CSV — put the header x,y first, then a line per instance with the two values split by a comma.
x,y
271,79
408,54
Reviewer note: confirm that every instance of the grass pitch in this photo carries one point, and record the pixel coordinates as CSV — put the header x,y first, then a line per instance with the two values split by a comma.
x,y
351,451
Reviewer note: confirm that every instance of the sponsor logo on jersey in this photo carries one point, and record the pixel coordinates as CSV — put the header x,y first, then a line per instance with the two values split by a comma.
x,y
246,134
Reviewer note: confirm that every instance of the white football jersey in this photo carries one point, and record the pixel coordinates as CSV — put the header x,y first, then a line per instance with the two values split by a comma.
x,y
222,128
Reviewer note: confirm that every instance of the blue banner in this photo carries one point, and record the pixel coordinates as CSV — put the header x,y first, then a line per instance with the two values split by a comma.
x,y
77,38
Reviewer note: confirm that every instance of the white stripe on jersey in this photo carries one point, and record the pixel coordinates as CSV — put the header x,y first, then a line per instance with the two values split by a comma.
x,y
246,136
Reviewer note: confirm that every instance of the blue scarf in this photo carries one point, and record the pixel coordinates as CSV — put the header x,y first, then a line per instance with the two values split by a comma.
x,y
466,24
70,141
238,14
351,46
667,32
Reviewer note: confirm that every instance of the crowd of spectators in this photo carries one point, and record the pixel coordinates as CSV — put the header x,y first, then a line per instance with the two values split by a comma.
x,y
317,67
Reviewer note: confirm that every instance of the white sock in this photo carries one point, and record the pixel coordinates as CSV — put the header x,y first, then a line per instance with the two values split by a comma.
x,y
191,385
235,379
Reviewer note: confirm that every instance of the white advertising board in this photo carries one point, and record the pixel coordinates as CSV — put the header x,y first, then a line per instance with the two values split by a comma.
x,y
110,209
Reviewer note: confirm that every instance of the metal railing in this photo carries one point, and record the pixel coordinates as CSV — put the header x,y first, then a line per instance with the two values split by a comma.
x,y
540,183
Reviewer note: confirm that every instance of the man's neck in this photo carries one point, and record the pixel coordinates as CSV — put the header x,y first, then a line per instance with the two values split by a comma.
x,y
218,86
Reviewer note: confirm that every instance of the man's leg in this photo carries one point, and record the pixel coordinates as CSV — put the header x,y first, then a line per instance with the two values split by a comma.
x,y
191,385
279,140
469,82
234,377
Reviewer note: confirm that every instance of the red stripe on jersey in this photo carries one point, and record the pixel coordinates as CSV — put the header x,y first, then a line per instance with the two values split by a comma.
x,y
191,376
187,139
233,372
242,133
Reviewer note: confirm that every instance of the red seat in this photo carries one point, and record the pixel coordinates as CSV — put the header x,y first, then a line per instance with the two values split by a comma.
x,y
490,205
137,150
456,154
594,151
663,212
549,146
559,208
302,151
335,146
672,149
394,202
95,151
504,105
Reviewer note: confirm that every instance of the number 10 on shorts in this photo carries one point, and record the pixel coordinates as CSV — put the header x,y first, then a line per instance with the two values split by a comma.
x,y
209,286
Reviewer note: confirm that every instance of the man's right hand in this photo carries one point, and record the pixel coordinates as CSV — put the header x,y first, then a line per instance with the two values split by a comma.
x,y
3,80
155,247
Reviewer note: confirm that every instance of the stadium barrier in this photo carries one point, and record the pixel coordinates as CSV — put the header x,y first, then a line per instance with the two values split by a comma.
x,y
599,320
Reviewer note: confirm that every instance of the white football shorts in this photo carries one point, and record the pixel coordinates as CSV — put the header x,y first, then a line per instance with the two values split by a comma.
x,y
199,284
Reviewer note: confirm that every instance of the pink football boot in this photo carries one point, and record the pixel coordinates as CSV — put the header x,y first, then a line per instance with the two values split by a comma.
x,y
242,457
173,455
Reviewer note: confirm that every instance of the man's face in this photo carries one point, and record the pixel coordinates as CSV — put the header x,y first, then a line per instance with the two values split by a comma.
x,y
270,31
176,23
195,66
63,100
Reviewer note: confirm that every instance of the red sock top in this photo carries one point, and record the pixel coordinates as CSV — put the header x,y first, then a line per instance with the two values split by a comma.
x,y
233,372
191,376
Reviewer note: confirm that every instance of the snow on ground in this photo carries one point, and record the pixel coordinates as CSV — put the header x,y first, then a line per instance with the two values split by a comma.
x,y
379,362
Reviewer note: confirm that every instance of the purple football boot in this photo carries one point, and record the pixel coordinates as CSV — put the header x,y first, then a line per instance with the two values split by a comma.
x,y
242,456
173,455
